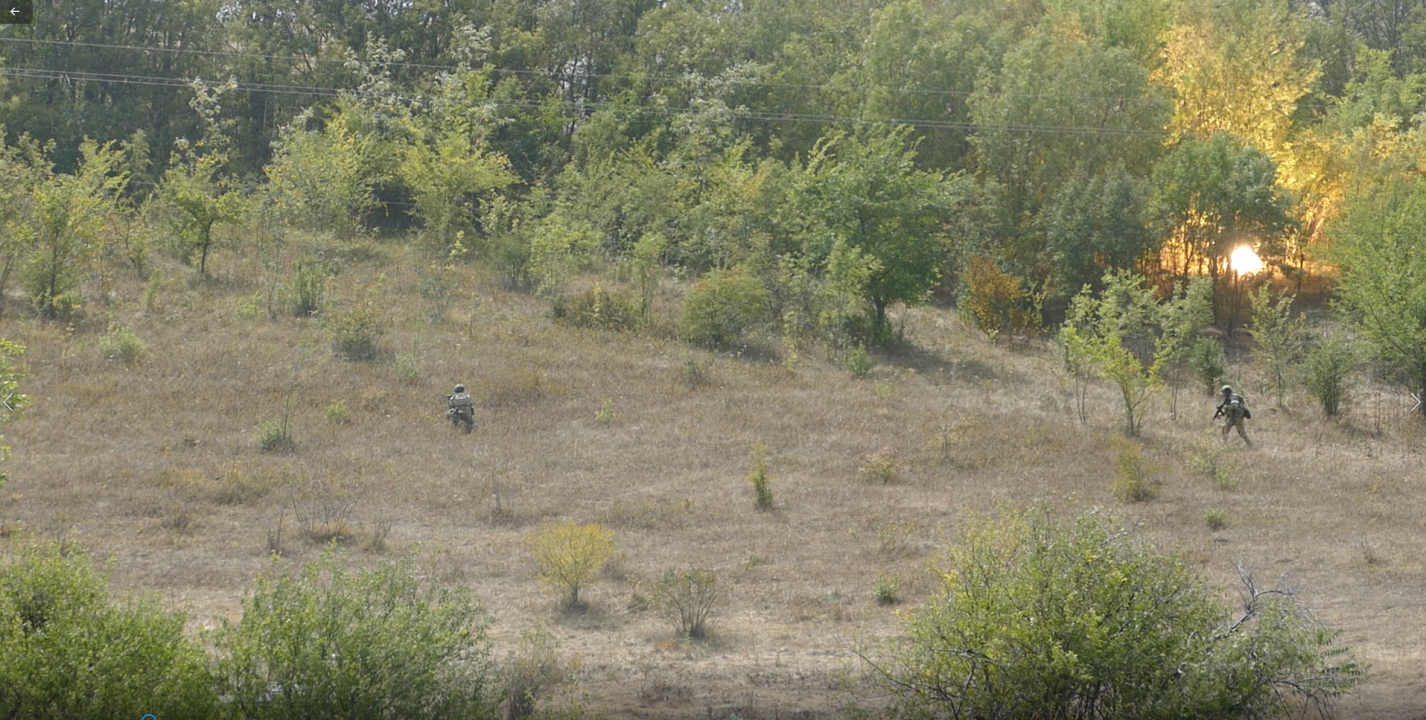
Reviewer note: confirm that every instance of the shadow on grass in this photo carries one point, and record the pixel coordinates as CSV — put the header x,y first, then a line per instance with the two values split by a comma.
x,y
939,368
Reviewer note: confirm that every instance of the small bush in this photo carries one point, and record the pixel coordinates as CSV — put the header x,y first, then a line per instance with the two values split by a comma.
x,y
887,589
857,361
275,436
997,302
248,308
1325,372
878,467
571,555
120,343
151,291
596,308
380,643
69,653
532,671
605,414
407,373
723,307
357,331
688,597
438,288
376,537
337,412
1208,363
1216,519
323,512
1213,461
1038,618
762,491
893,539
1131,479
695,373
306,291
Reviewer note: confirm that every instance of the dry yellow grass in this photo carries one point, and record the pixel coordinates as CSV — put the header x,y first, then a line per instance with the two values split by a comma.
x,y
158,467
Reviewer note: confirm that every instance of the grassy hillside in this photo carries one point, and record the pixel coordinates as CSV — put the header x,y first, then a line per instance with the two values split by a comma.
x,y
158,466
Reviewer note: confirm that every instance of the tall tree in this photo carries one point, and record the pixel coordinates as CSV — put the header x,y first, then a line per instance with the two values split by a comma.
x,y
1095,224
865,191
1212,194
1059,106
91,69
1235,69
1380,248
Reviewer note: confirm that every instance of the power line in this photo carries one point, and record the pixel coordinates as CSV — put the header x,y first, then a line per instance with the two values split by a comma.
x,y
580,106
546,74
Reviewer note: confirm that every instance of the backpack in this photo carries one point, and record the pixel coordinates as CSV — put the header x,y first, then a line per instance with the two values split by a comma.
x,y
1237,404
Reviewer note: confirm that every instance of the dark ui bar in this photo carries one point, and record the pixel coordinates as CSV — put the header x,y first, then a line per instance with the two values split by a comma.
x,y
17,12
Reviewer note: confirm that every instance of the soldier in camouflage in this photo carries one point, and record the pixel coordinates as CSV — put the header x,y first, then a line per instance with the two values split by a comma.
x,y
1235,410
460,409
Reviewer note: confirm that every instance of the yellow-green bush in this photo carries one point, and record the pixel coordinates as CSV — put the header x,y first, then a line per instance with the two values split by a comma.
x,y
570,556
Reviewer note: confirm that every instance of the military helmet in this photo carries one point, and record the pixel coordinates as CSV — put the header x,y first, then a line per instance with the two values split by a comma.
x,y
1227,389
460,389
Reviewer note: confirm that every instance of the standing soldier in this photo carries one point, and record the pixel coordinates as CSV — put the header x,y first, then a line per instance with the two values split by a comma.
x,y
1236,411
461,410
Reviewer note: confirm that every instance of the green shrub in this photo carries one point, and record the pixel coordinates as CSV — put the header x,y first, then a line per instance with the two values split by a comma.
x,y
248,308
120,343
151,291
571,555
66,652
597,308
307,290
1326,370
887,589
687,598
1042,618
438,288
1212,460
1131,478
722,307
407,371
337,412
357,330
605,414
762,491
857,361
276,436
1208,363
380,643
1215,518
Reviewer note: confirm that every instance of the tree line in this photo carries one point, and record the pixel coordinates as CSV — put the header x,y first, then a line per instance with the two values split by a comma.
x,y
820,161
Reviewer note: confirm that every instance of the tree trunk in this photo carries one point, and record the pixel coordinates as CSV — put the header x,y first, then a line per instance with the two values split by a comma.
x,y
206,237
49,311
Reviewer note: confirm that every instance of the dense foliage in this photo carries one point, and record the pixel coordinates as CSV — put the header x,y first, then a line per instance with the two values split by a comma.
x,y
1058,139
1043,617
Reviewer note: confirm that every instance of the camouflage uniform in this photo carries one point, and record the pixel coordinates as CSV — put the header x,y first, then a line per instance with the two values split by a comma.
x,y
461,408
1235,411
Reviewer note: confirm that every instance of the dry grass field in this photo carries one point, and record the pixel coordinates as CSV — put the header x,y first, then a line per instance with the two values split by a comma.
x,y
157,466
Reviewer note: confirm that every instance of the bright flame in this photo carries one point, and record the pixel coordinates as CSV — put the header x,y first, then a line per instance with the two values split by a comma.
x,y
1246,261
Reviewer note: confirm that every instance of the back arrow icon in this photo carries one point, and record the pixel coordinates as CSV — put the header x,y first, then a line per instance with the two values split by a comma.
x,y
6,401
14,11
